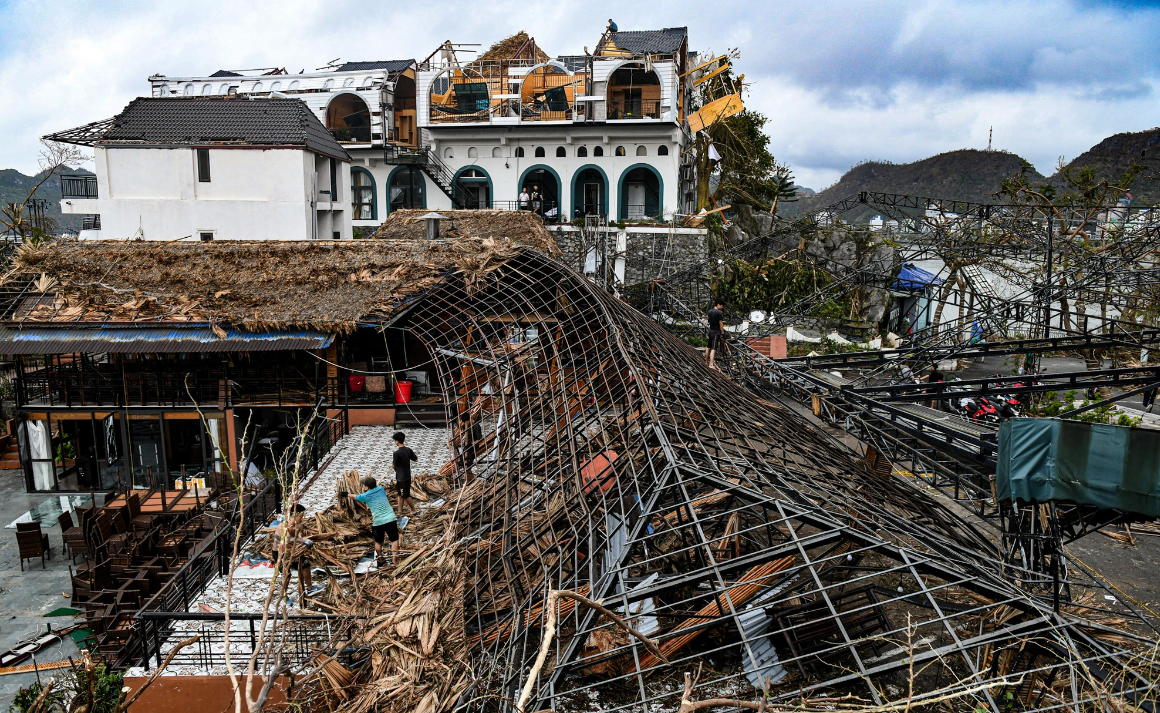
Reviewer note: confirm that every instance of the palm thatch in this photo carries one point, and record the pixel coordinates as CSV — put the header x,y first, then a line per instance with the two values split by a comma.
x,y
251,285
522,226
508,48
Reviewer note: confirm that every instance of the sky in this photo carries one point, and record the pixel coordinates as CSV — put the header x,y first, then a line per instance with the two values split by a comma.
x,y
841,82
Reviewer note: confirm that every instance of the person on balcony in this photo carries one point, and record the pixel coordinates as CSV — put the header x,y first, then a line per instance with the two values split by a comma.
x,y
524,198
537,201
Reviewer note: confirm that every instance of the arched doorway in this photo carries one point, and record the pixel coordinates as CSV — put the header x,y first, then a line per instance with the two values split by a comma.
x,y
589,192
472,189
349,119
634,93
406,188
640,192
544,182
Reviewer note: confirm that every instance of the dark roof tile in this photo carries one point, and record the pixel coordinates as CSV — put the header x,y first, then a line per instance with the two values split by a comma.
x,y
391,65
666,41
225,73
199,120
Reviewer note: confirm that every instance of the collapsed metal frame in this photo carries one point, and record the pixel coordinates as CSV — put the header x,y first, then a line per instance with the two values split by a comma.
x,y
727,527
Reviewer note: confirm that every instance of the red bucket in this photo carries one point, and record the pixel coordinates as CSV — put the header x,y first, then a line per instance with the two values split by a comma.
x,y
403,392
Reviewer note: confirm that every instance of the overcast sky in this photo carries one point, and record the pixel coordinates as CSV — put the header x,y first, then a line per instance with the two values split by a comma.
x,y
840,82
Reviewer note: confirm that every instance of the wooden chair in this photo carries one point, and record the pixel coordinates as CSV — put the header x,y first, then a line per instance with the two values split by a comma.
x,y
32,543
66,523
141,523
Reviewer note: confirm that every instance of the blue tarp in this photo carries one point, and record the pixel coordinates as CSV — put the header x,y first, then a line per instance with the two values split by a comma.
x,y
145,338
915,279
1111,467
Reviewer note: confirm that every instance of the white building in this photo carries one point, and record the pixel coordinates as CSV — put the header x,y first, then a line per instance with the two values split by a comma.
x,y
211,168
596,134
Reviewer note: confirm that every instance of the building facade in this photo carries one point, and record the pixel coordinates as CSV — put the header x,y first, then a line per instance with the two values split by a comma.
x,y
213,168
598,134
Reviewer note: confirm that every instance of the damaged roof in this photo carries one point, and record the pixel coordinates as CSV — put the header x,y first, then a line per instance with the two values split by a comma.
x,y
224,73
256,286
228,120
409,224
391,65
666,41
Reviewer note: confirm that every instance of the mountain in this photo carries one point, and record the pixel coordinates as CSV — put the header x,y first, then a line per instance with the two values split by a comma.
x,y
1112,157
14,187
967,174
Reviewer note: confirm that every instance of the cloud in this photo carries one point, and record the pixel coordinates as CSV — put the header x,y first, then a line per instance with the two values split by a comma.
x,y
841,82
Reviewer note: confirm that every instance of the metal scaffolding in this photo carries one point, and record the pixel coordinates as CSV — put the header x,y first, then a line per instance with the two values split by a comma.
x,y
755,549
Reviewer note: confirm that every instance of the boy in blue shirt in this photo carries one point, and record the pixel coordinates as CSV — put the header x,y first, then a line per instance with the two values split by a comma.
x,y
384,522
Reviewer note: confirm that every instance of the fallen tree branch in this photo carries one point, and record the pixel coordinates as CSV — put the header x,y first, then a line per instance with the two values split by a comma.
x,y
550,633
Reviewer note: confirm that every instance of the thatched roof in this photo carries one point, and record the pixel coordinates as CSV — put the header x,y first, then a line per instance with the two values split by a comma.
x,y
522,226
255,286
507,49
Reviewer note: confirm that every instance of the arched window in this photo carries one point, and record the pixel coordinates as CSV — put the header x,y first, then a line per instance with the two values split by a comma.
x,y
257,87
348,82
640,193
519,152
641,151
224,89
560,152
189,90
349,118
328,84
662,150
293,86
406,188
275,86
206,90
368,82
582,152
620,151
448,153
472,189
598,151
539,152
497,152
472,153
362,194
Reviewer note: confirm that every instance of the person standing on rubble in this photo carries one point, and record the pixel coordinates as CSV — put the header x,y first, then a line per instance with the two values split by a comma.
x,y
384,523
289,534
402,459
716,330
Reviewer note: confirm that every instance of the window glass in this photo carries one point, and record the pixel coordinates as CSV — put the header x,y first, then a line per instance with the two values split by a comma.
x,y
662,150
582,152
519,152
619,150
560,152
598,151
641,151
539,152
362,193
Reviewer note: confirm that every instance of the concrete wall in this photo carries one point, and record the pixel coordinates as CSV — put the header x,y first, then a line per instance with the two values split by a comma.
x,y
253,194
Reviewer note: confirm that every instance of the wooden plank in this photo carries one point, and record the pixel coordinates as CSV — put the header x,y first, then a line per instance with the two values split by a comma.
x,y
714,111
712,74
29,668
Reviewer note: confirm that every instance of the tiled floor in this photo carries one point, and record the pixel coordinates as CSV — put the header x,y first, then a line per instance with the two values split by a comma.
x,y
368,450
26,596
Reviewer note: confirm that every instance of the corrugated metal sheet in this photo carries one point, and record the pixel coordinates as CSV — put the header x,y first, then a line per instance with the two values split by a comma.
x,y
151,339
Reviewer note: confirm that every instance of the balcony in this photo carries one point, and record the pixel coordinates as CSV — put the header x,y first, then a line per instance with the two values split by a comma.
x,y
633,109
352,134
78,186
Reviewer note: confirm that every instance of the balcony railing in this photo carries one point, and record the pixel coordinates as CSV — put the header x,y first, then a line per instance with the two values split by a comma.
x,y
634,109
78,186
358,134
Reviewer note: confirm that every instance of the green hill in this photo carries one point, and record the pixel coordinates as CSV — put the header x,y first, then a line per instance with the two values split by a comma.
x,y
967,174
1113,156
14,187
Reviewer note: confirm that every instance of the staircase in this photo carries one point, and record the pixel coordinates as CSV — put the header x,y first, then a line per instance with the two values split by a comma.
x,y
9,452
430,164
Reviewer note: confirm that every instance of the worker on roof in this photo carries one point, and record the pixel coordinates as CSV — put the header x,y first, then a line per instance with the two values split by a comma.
x,y
716,330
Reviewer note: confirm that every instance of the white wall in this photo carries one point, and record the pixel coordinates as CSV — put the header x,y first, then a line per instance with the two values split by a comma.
x,y
253,194
506,169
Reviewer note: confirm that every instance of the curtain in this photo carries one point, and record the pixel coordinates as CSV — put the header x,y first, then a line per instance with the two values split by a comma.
x,y
40,449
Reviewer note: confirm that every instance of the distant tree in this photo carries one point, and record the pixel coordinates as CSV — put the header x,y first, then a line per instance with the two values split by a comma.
x,y
17,218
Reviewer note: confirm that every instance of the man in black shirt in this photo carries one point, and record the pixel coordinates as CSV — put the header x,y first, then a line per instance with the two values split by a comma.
x,y
402,462
716,330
